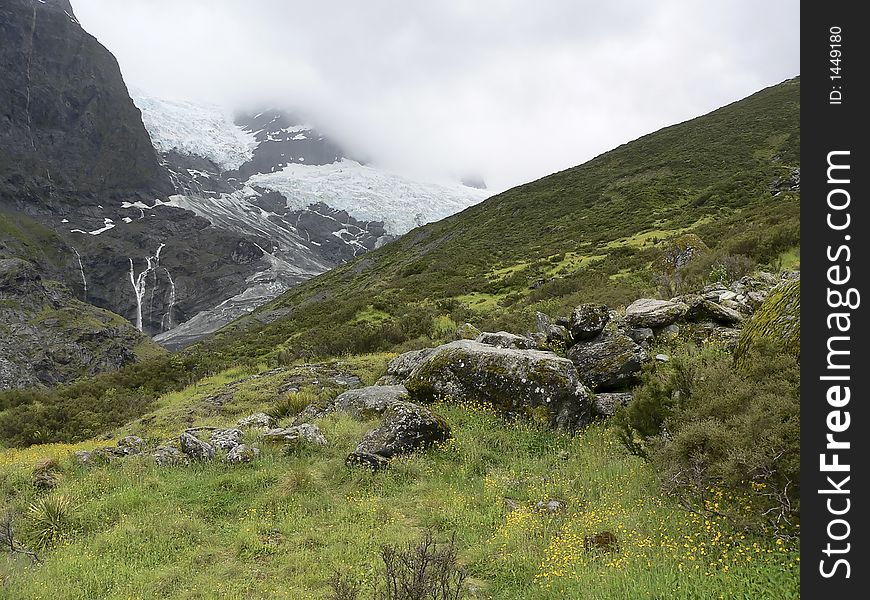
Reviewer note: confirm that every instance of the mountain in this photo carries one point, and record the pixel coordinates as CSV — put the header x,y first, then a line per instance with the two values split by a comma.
x,y
179,227
602,231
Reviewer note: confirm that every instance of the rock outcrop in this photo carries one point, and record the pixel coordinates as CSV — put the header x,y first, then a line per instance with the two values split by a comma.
x,y
526,382
609,362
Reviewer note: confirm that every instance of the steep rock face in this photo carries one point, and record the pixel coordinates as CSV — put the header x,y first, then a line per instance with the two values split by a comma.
x,y
48,337
67,122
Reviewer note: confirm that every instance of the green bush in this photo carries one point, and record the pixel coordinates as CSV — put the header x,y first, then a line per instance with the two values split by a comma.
x,y
725,439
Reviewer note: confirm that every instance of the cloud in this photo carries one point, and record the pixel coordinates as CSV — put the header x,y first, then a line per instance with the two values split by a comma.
x,y
508,89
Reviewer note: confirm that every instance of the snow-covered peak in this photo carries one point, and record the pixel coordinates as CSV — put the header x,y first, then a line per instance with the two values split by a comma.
x,y
195,129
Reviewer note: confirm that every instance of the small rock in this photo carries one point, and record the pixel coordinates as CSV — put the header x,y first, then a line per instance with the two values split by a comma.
x,y
563,455
132,442
241,453
727,295
302,433
668,333
226,439
551,506
195,448
258,420
167,456
510,505
467,331
400,367
362,403
663,358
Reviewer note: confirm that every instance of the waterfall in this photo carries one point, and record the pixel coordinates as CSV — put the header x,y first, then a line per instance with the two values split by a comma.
x,y
140,281
166,322
82,271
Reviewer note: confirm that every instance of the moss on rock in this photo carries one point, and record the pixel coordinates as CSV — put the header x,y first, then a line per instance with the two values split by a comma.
x,y
778,319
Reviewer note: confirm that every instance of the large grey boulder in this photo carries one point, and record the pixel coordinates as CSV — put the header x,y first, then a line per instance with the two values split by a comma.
x,y
400,367
647,312
610,361
195,448
531,382
406,427
503,339
361,403
588,320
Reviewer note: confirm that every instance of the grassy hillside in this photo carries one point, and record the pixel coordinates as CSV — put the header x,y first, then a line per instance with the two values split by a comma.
x,y
591,233
279,527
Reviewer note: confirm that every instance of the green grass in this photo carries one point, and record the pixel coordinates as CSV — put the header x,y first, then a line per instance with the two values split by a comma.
x,y
277,528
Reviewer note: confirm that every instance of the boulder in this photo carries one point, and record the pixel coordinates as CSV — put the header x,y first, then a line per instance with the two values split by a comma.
x,y
550,332
400,367
587,321
241,453
606,404
406,427
539,384
258,420
647,312
195,448
609,362
361,403
166,456
503,339
305,433
777,319
707,310
226,439
466,331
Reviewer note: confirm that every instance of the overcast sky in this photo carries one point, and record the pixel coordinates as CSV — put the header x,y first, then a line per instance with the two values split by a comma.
x,y
513,90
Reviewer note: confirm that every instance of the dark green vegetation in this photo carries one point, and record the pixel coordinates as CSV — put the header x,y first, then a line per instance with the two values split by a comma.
x,y
591,233
724,438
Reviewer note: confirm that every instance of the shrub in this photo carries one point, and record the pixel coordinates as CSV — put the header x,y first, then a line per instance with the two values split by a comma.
x,y
725,439
50,520
422,571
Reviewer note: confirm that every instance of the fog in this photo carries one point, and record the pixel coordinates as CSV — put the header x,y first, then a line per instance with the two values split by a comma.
x,y
508,90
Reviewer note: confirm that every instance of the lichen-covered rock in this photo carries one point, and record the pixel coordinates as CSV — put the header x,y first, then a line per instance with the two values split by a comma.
x,y
503,339
609,362
241,453
167,456
258,420
606,404
701,309
131,444
587,321
406,427
778,319
467,331
647,312
539,384
679,251
226,439
549,333
400,367
361,403
195,448
305,433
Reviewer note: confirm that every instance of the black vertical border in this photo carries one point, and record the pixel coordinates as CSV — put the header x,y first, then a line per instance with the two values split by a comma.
x,y
827,127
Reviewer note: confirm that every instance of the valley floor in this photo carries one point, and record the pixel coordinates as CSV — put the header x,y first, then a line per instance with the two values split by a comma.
x,y
279,527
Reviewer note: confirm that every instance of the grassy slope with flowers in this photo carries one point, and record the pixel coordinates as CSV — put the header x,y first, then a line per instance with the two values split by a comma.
x,y
278,528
